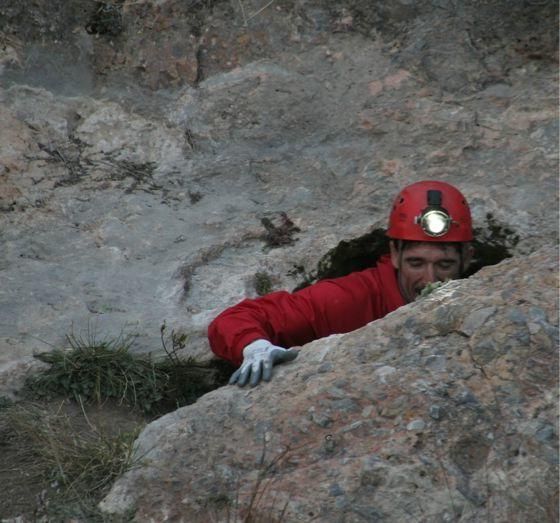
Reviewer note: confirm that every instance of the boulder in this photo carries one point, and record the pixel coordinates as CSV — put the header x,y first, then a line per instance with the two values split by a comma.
x,y
445,410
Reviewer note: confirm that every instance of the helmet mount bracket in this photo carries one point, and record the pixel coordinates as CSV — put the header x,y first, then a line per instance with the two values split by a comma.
x,y
434,219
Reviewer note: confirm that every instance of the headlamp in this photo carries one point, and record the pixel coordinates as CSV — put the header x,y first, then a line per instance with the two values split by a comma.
x,y
434,220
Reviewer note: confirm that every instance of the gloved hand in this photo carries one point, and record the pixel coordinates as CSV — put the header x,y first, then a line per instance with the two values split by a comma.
x,y
258,360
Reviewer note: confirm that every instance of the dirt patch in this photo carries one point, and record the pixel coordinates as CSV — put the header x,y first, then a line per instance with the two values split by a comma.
x,y
32,487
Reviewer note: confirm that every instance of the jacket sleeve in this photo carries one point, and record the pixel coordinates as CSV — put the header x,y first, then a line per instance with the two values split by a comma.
x,y
287,320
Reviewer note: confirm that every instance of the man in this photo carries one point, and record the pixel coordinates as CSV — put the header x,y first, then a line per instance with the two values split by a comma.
x,y
429,229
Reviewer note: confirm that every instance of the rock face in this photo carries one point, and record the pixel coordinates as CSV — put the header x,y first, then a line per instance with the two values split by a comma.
x,y
445,410
135,177
152,154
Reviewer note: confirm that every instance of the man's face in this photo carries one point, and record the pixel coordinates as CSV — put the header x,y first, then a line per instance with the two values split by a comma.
x,y
422,263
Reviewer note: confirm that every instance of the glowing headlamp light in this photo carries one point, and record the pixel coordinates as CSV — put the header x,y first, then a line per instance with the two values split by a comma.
x,y
434,220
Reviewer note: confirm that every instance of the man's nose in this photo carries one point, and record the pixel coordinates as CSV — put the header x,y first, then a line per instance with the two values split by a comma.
x,y
429,275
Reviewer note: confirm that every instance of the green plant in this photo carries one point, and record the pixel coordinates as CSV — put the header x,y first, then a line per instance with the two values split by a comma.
x,y
430,287
263,283
70,461
258,505
96,370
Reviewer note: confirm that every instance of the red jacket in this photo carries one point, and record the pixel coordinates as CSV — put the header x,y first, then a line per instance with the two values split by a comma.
x,y
328,307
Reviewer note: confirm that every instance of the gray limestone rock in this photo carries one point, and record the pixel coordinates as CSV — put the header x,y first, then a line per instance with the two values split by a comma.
x,y
141,156
378,442
133,192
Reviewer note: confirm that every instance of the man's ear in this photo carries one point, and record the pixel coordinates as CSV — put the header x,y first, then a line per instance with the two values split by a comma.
x,y
394,254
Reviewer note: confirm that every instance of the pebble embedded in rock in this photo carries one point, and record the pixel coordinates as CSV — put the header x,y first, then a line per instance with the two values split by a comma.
x,y
416,425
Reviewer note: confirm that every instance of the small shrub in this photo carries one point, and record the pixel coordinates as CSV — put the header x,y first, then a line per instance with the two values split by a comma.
x,y
185,378
263,283
98,370
94,371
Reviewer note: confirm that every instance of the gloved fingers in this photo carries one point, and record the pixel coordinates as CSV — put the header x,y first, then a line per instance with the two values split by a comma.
x,y
245,372
281,356
259,366
256,372
234,377
267,369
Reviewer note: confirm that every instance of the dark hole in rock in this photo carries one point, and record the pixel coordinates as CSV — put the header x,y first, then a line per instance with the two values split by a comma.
x,y
493,243
487,254
353,255
189,381
349,256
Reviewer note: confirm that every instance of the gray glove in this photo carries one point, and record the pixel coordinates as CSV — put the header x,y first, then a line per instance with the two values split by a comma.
x,y
258,359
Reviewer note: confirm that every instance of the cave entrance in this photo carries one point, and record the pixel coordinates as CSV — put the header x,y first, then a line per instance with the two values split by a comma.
x,y
353,255
493,243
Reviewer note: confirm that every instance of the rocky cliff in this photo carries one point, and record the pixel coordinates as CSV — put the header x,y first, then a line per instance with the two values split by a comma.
x,y
144,143
445,410
160,160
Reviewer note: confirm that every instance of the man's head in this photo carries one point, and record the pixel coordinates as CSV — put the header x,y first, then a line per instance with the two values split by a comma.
x,y
420,263
430,229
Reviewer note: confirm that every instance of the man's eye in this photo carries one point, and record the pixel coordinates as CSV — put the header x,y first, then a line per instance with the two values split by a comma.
x,y
415,264
446,265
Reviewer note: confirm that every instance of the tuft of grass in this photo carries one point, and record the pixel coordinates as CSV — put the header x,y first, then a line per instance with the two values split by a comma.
x,y
263,283
80,461
95,370
257,504
74,466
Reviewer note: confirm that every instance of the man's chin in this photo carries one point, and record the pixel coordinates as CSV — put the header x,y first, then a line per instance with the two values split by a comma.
x,y
411,295
417,293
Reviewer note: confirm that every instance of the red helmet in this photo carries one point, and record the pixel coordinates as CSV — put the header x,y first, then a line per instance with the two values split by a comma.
x,y
430,211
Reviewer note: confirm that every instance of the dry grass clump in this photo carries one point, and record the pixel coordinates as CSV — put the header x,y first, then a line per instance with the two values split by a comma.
x,y
58,459
62,447
93,371
62,459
